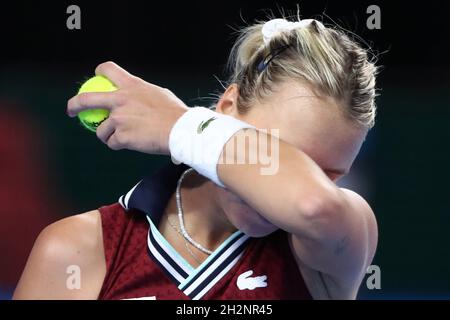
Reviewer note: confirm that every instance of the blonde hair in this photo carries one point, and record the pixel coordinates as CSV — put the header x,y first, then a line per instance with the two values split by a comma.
x,y
324,57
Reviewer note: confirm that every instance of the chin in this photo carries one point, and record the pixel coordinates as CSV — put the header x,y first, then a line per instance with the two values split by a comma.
x,y
249,221
244,217
258,232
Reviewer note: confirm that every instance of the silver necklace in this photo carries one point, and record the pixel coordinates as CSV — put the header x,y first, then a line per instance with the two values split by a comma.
x,y
183,230
186,244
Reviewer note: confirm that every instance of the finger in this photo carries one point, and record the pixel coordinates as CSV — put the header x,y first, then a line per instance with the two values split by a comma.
x,y
119,76
114,142
91,100
105,130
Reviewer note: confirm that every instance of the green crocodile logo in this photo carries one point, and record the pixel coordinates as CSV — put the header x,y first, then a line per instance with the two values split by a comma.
x,y
202,126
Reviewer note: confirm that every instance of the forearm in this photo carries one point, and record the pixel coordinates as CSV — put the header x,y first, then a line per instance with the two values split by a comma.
x,y
292,197
297,196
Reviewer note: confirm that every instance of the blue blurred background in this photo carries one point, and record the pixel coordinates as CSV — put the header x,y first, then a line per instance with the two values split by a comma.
x,y
50,167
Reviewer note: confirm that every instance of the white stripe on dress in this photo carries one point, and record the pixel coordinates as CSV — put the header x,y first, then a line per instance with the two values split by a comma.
x,y
163,261
217,278
216,263
168,251
128,195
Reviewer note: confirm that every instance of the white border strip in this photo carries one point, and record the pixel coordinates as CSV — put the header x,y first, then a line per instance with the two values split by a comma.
x,y
163,261
216,263
167,250
217,278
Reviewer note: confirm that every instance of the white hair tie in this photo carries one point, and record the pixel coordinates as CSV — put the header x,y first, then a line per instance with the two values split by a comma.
x,y
275,26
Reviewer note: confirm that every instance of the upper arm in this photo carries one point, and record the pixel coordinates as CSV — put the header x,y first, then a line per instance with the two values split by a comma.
x,y
66,253
347,244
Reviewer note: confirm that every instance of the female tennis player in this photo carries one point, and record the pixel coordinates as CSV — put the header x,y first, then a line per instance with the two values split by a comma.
x,y
223,225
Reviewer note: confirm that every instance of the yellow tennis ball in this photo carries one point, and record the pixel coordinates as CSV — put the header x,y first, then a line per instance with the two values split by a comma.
x,y
92,118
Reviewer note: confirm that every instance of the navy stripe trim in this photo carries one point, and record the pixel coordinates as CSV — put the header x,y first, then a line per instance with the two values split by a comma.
x,y
163,253
218,255
219,269
155,260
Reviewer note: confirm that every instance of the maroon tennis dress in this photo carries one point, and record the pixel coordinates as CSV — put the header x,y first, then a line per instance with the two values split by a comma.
x,y
141,264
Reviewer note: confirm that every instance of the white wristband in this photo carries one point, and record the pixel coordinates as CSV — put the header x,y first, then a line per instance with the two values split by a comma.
x,y
198,138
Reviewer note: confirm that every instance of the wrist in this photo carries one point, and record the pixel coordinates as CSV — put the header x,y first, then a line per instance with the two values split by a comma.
x,y
198,137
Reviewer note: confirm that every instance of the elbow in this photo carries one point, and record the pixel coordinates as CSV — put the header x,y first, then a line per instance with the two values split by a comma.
x,y
321,210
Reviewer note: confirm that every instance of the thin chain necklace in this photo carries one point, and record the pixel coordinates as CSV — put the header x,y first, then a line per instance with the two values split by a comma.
x,y
183,230
186,244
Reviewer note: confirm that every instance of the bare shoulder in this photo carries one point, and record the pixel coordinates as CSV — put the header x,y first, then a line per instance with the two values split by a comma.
x,y
66,262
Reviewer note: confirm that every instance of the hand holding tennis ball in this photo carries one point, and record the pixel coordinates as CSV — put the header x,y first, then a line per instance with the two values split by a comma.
x,y
92,118
125,111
